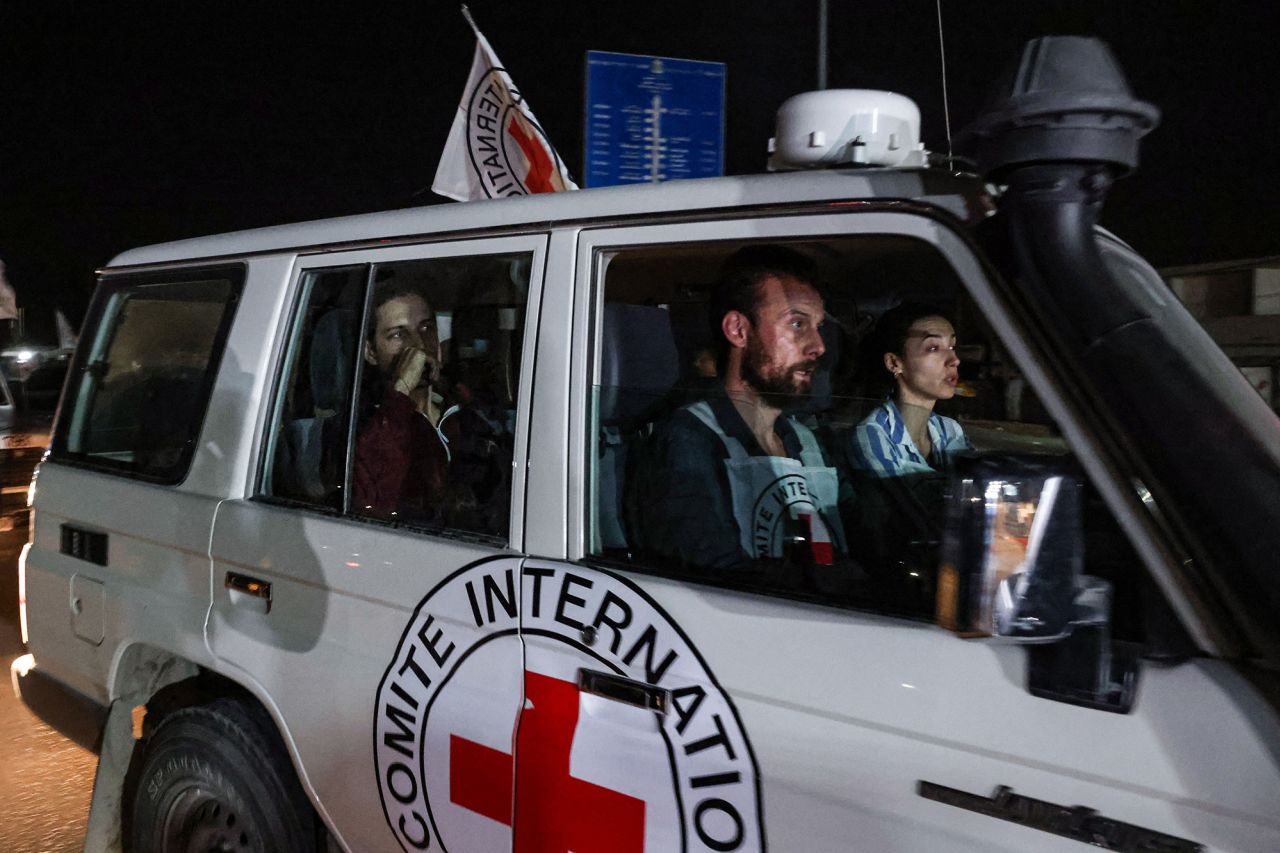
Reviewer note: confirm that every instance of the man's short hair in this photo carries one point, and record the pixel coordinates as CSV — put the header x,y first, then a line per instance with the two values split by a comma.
x,y
387,286
737,287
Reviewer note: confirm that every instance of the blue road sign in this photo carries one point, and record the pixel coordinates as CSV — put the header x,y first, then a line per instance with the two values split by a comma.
x,y
650,118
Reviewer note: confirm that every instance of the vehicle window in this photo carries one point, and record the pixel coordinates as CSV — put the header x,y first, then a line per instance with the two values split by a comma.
x,y
1210,442
436,415
398,402
785,417
1238,306
143,381
314,414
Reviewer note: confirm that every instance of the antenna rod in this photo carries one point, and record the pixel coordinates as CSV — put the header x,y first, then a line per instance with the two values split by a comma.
x,y
942,55
822,44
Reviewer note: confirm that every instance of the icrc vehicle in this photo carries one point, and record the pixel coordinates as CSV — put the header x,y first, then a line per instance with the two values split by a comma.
x,y
1070,641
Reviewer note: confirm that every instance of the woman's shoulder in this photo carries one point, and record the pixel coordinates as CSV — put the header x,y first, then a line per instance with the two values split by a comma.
x,y
881,415
949,428
880,418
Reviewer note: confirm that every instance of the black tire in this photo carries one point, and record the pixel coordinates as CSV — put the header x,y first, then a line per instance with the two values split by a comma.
x,y
215,778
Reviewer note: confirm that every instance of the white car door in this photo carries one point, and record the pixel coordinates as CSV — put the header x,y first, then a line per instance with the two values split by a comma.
x,y
829,721
323,603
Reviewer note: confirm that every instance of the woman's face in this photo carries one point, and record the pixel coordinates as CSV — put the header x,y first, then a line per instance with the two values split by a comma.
x,y
927,370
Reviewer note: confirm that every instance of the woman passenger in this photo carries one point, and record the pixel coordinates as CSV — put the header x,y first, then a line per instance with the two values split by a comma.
x,y
904,436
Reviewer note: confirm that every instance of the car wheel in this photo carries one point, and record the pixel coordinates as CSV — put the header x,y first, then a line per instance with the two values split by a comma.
x,y
215,778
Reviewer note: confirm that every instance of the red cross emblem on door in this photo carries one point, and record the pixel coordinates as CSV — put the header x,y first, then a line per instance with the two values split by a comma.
x,y
555,812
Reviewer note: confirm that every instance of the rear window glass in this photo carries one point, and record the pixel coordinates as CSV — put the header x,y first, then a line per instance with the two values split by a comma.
x,y
141,384
399,401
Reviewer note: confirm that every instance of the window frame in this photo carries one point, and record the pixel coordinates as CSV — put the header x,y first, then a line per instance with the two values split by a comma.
x,y
533,244
109,285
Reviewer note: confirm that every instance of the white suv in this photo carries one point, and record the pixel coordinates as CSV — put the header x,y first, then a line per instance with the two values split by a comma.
x,y
306,592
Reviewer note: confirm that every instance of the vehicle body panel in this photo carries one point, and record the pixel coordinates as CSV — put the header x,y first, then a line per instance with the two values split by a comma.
x,y
843,712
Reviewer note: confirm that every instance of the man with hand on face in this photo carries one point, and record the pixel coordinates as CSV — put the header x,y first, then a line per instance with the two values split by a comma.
x,y
403,448
737,483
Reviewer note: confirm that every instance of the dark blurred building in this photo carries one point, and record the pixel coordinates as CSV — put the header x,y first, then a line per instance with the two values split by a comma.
x,y
1238,303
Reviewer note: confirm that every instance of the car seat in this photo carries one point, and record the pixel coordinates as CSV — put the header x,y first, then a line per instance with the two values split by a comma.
x,y
639,370
310,462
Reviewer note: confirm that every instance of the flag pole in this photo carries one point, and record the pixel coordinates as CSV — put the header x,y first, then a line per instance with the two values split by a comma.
x,y
466,13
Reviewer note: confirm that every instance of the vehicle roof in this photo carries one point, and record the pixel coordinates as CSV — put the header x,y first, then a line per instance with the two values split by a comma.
x,y
957,194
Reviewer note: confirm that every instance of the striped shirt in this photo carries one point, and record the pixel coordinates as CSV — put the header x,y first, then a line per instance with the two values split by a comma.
x,y
882,447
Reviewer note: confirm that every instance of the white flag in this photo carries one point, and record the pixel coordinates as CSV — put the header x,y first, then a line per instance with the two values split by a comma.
x,y
8,299
496,147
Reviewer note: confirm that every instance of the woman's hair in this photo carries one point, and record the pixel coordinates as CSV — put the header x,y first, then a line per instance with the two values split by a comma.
x,y
891,329
890,335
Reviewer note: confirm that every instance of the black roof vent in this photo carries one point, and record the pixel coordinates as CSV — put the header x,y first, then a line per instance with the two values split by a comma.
x,y
1066,101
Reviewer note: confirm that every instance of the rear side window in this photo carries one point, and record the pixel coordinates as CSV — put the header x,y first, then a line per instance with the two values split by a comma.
x,y
140,387
398,405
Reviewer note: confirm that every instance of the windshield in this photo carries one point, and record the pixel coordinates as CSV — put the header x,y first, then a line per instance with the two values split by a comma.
x,y
1210,442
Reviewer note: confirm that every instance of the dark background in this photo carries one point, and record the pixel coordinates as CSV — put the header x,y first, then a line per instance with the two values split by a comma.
x,y
123,124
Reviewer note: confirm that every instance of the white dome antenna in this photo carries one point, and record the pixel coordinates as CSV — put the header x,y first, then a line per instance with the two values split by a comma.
x,y
846,127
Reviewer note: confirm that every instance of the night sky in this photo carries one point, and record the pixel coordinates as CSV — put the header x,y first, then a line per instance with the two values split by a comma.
x,y
123,124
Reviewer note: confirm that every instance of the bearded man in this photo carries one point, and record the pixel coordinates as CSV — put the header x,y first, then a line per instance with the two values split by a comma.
x,y
736,483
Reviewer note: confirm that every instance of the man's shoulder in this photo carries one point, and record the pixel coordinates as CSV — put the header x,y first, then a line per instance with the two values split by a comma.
x,y
690,421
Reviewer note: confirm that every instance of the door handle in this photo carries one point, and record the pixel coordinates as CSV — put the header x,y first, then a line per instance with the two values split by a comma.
x,y
625,690
259,591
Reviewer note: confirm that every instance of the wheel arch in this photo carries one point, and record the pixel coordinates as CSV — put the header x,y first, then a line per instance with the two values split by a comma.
x,y
141,670
163,682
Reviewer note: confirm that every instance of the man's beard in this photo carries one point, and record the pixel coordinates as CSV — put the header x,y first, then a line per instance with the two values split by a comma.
x,y
780,391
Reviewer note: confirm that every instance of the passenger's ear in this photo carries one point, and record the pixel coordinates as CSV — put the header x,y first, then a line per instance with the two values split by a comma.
x,y
892,363
735,325
370,355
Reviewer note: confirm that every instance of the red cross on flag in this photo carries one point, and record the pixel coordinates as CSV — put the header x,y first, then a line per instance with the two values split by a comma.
x,y
496,148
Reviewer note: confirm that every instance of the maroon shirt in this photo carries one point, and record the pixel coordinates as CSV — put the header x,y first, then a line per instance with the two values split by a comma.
x,y
402,461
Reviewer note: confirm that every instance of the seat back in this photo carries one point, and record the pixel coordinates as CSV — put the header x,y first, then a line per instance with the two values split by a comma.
x,y
639,363
309,463
639,369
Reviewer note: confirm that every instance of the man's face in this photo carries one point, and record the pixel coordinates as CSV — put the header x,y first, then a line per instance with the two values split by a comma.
x,y
401,322
784,344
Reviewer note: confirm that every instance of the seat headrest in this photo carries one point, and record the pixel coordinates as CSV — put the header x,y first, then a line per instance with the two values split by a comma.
x,y
332,358
639,362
